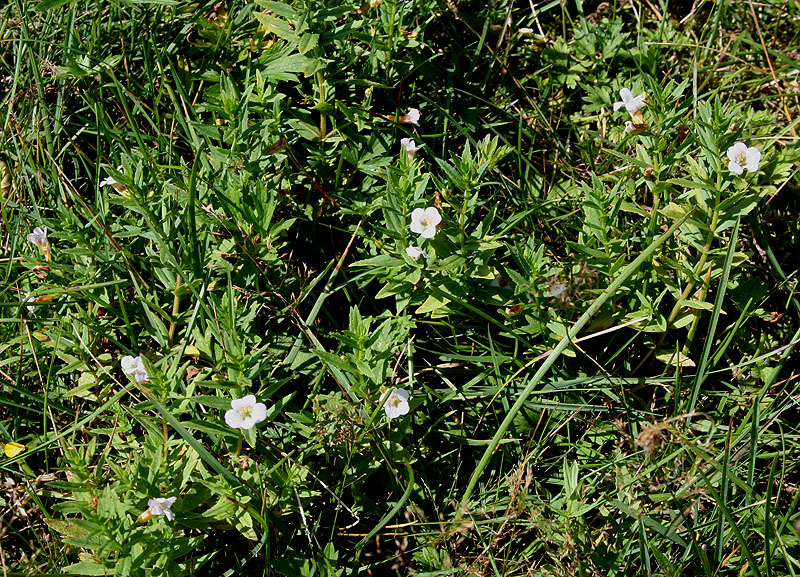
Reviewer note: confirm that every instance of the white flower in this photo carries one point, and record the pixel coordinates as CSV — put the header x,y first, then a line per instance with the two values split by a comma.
x,y
245,413
631,104
158,506
27,299
412,116
396,404
39,237
742,157
414,253
134,366
633,128
109,180
409,145
424,221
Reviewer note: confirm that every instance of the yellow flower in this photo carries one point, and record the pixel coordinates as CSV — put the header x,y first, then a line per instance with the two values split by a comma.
x,y
13,449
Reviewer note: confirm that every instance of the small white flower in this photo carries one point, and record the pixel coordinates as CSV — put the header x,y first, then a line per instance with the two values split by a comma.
x,y
631,104
633,128
27,299
158,506
409,145
412,116
742,157
109,180
424,221
414,253
396,404
245,413
134,366
39,238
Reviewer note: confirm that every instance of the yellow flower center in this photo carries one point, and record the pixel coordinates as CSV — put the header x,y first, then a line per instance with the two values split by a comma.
x,y
394,401
245,412
425,221
741,159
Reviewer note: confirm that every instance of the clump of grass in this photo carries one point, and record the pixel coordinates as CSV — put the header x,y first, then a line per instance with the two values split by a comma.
x,y
591,311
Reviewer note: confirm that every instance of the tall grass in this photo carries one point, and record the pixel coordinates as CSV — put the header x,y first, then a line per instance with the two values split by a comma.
x,y
598,339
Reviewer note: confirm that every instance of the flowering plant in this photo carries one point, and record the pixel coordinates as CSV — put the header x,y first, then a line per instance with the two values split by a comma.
x,y
39,238
396,404
633,104
740,156
245,413
412,117
134,366
156,507
424,221
414,253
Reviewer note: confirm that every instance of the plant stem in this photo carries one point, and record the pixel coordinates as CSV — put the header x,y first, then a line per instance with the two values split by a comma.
x,y
176,304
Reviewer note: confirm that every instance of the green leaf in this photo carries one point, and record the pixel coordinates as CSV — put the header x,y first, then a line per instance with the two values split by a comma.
x,y
87,567
277,27
279,8
431,304
50,4
699,305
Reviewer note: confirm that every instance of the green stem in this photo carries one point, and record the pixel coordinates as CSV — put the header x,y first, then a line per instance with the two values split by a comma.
x,y
323,117
698,269
176,305
462,218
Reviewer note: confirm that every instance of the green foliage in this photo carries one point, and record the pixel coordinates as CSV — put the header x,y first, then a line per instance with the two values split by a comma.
x,y
597,339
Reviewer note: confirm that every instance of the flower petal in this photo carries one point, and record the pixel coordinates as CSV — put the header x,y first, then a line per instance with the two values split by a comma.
x,y
233,419
635,104
417,216
735,151
428,232
246,401
433,215
626,95
735,167
259,412
753,156
413,252
129,364
397,403
155,507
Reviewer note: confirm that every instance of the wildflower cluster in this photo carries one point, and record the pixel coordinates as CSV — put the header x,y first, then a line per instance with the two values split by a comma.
x,y
740,156
423,221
